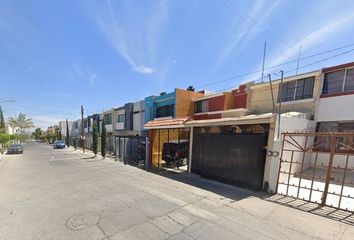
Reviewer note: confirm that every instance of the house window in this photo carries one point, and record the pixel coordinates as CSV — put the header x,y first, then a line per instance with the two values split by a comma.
x,y
202,106
297,90
255,129
338,81
343,144
349,80
108,119
165,111
120,118
333,82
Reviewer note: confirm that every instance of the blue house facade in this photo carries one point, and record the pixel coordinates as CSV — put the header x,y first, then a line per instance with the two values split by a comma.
x,y
160,106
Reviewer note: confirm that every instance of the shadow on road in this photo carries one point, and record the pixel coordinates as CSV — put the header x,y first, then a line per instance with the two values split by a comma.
x,y
314,208
224,190
89,157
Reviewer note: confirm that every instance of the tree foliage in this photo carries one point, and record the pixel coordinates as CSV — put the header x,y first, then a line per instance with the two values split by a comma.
x,y
37,134
103,139
95,138
2,121
21,122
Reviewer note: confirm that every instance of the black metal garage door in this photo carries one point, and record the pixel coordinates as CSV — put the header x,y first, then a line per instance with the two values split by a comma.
x,y
235,159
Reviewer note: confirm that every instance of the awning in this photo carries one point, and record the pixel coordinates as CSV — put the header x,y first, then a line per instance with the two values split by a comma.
x,y
249,119
164,123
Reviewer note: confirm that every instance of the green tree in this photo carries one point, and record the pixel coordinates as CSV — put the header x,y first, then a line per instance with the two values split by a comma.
x,y
2,121
67,134
95,138
21,122
4,141
103,139
37,133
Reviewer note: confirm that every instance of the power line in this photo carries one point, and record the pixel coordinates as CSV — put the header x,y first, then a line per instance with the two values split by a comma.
x,y
275,66
303,66
228,4
216,29
19,68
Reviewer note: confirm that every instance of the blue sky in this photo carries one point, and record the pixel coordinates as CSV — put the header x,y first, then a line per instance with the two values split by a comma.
x,y
57,55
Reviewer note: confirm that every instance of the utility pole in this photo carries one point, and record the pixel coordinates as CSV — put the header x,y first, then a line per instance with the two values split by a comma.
x,y
280,98
271,91
82,129
264,55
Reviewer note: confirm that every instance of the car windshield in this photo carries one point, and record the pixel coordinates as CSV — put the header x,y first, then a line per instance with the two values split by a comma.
x,y
16,145
59,141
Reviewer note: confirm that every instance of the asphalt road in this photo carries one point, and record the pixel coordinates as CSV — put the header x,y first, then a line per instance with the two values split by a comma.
x,y
63,194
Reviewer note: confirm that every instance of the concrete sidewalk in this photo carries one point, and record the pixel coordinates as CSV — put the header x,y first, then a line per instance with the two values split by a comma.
x,y
63,194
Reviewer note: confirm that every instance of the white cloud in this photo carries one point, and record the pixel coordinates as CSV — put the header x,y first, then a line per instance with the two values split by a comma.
x,y
93,79
80,72
144,70
305,36
135,41
246,30
43,121
323,33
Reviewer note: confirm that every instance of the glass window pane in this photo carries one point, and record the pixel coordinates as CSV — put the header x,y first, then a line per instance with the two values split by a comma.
x,y
282,92
290,92
198,107
323,143
300,87
205,106
349,80
308,89
165,111
333,82
346,144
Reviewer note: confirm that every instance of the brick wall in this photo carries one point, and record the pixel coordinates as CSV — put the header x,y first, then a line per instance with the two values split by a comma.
x,y
184,103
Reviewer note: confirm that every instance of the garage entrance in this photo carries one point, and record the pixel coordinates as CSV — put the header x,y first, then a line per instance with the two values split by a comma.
x,y
233,154
131,150
318,167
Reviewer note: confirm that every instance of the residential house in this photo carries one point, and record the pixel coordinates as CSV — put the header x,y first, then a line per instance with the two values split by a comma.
x,y
335,107
165,116
62,128
129,133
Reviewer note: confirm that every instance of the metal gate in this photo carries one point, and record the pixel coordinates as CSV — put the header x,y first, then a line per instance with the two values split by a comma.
x,y
318,167
236,159
131,149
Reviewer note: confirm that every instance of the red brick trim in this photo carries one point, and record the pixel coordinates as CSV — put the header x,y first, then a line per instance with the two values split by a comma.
x,y
342,66
326,95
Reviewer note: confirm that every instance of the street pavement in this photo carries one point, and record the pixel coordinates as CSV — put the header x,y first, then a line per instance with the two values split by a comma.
x,y
64,194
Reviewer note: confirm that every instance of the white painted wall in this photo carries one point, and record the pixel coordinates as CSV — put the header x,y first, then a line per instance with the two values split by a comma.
x,y
109,128
118,126
339,108
287,124
138,116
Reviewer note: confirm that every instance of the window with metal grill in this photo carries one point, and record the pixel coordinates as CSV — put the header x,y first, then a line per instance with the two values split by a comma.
x,y
108,119
120,118
338,81
165,111
343,144
202,106
296,90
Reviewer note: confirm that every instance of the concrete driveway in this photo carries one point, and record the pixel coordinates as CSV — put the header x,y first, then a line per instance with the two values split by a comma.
x,y
63,194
